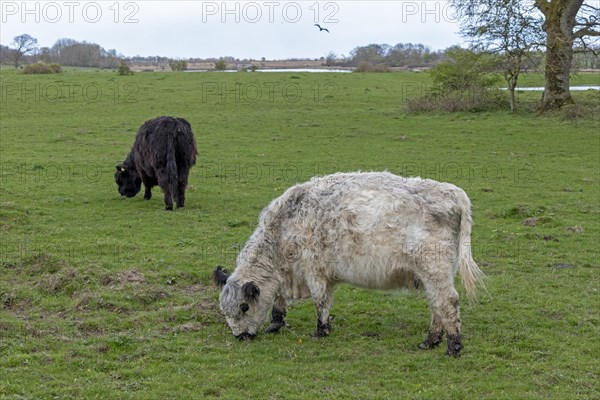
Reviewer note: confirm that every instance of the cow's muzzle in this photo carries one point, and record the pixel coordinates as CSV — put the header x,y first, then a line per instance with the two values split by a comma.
x,y
245,336
127,194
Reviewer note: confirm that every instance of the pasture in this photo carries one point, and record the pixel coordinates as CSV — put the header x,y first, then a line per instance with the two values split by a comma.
x,y
107,297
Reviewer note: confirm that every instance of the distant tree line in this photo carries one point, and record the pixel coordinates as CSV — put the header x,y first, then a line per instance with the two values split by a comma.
x,y
371,57
79,54
66,52
408,55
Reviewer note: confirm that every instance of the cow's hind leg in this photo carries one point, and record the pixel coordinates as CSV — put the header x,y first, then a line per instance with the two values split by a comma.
x,y
168,200
278,315
168,189
451,321
436,331
443,301
181,185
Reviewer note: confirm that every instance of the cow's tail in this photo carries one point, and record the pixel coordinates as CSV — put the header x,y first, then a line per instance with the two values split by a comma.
x,y
471,275
171,167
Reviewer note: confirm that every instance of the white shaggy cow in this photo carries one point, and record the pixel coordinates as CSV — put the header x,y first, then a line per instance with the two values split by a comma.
x,y
373,230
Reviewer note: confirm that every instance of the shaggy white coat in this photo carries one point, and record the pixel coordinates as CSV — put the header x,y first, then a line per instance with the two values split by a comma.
x,y
373,230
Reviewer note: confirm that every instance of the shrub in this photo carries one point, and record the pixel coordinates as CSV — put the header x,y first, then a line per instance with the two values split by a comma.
x,y
221,65
42,68
587,105
464,82
123,69
464,70
178,65
474,99
365,66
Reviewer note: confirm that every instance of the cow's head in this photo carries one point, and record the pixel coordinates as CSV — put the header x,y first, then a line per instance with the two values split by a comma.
x,y
127,180
244,304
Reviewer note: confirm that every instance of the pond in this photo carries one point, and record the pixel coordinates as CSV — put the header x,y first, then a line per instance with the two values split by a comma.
x,y
540,88
280,70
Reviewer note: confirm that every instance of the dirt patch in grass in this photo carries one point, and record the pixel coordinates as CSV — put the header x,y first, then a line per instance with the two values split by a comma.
x,y
575,229
531,221
133,276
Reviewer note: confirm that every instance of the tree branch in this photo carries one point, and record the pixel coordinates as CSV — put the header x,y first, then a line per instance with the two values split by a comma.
x,y
587,31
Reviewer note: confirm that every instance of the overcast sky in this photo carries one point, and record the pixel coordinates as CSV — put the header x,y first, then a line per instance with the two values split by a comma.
x,y
242,29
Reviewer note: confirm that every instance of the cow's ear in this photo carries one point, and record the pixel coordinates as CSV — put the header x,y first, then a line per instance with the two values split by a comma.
x,y
220,276
250,291
120,168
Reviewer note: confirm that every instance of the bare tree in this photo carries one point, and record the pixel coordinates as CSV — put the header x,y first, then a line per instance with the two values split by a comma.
x,y
330,59
505,28
565,21
23,44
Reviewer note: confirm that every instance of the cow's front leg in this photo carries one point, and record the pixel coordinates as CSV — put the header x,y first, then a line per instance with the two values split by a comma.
x,y
322,294
278,315
147,192
323,325
148,184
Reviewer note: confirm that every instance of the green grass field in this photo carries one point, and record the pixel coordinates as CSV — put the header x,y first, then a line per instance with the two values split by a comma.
x,y
111,298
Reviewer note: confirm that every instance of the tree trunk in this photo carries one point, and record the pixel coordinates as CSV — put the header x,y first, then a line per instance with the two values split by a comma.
x,y
512,84
559,25
559,54
16,56
511,74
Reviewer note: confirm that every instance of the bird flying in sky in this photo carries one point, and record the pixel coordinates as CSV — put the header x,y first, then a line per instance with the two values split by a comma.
x,y
322,29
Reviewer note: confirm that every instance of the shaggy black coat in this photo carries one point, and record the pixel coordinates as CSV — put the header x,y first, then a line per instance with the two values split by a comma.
x,y
162,154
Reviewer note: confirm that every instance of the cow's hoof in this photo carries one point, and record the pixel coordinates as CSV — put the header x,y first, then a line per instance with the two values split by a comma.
x,y
431,342
319,334
454,345
245,336
453,353
168,208
274,327
428,345
322,331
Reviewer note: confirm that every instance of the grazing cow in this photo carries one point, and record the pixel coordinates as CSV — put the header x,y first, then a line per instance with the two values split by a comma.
x,y
163,153
373,230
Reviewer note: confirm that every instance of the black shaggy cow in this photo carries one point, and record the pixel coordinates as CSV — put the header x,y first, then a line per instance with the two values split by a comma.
x,y
163,153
